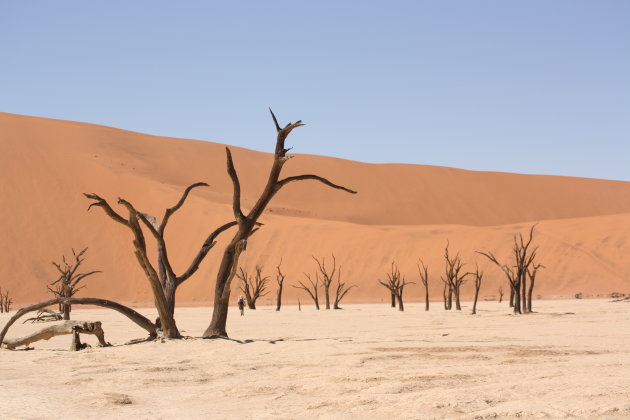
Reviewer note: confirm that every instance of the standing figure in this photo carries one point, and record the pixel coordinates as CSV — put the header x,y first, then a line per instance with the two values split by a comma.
x,y
241,305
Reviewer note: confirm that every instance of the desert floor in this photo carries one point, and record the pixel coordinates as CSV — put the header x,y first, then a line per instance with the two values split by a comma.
x,y
570,359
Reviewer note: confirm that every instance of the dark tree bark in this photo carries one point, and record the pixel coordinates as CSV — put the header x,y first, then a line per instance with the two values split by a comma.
x,y
517,271
5,301
312,290
67,285
253,288
396,285
167,321
280,281
454,278
134,316
247,223
478,277
166,277
500,294
423,270
531,273
511,296
328,274
341,290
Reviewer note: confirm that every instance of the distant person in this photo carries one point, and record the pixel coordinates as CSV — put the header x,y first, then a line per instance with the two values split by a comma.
x,y
241,305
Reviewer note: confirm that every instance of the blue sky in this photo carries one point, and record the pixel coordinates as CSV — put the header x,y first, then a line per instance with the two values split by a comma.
x,y
530,87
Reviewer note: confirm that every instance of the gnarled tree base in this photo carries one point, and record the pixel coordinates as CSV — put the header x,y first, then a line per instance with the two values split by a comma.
x,y
64,328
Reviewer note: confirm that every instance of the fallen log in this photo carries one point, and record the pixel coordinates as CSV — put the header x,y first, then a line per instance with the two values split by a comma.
x,y
134,316
64,328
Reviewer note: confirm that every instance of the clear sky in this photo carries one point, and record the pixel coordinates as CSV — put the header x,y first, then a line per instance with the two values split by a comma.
x,y
517,86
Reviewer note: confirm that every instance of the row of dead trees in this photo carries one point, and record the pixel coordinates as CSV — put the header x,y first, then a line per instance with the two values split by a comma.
x,y
325,276
5,301
520,271
255,285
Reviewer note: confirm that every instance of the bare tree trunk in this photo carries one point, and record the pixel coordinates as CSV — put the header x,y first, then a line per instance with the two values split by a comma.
x,y
247,223
399,298
517,299
426,298
445,297
226,273
500,294
393,305
280,280
279,297
458,306
478,277
511,297
524,293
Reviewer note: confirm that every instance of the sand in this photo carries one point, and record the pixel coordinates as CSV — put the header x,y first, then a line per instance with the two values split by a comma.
x,y
402,212
570,359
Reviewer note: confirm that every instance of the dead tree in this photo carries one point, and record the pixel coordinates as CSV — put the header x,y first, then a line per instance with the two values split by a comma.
x,y
65,328
5,301
423,270
500,294
478,277
67,284
312,290
341,290
517,271
453,278
396,285
280,280
247,223
328,274
531,273
164,282
134,316
253,288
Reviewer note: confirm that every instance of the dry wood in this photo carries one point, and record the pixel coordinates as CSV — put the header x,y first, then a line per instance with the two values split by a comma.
x,y
253,288
423,270
341,290
396,284
164,282
134,316
67,284
478,277
517,271
328,274
454,278
312,290
500,294
280,280
247,223
64,328
45,315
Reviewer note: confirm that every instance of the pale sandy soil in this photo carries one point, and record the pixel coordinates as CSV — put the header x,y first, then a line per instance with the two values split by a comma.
x,y
571,359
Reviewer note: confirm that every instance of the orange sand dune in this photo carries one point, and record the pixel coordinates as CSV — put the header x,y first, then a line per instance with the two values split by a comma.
x,y
402,212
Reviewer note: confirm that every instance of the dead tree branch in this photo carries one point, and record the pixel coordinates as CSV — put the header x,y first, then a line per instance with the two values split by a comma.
x,y
423,270
312,290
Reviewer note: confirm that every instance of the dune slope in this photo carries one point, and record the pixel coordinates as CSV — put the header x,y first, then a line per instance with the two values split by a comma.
x,y
402,212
